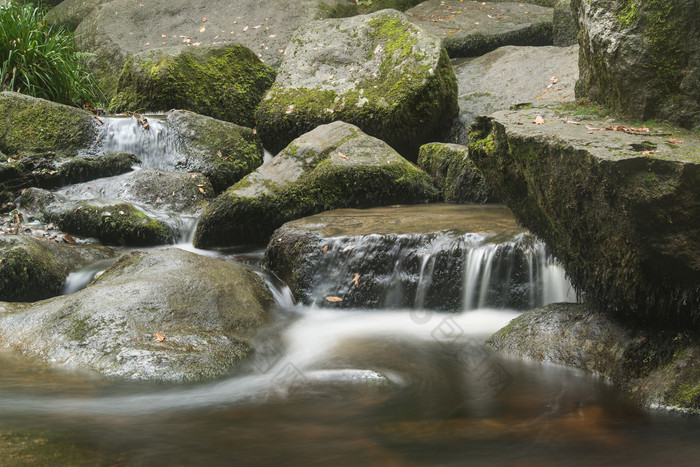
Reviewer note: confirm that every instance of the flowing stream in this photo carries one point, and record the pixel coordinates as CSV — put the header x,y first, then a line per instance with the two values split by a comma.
x,y
389,386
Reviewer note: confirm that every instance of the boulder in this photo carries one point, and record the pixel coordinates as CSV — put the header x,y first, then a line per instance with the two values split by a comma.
x,y
116,224
454,174
659,368
378,71
469,29
36,268
165,315
429,257
618,205
30,125
224,152
225,82
565,28
641,59
334,166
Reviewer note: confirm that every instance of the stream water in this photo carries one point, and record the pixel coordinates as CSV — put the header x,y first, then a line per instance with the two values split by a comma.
x,y
392,386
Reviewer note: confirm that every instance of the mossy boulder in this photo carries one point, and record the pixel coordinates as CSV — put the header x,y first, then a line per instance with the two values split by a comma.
x,y
454,174
346,8
334,166
641,58
116,224
225,82
222,151
472,29
30,125
619,206
378,71
34,269
165,315
660,368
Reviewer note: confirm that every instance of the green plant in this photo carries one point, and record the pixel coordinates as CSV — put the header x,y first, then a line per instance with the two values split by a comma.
x,y
41,60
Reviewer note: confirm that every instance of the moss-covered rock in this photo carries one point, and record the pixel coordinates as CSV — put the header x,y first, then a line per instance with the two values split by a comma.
x,y
620,209
203,310
222,151
31,125
659,367
347,8
225,82
34,269
378,71
454,174
469,30
333,166
641,57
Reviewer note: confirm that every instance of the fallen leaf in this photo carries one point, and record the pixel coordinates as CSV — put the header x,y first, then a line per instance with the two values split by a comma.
x,y
356,280
554,79
68,239
204,20
571,122
202,28
159,337
245,29
164,36
648,153
342,156
333,299
218,153
348,248
675,141
325,249
538,120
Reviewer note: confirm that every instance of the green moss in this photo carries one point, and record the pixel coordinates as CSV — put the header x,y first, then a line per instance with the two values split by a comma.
x,y
28,273
79,328
628,15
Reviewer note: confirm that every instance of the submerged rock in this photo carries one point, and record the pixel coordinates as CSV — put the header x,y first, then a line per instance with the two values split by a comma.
x,y
454,174
468,29
641,58
660,368
34,269
379,72
435,257
225,82
333,166
30,125
619,206
165,315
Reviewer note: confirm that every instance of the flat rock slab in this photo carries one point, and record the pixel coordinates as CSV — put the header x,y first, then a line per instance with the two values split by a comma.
x,y
619,205
469,29
514,75
165,315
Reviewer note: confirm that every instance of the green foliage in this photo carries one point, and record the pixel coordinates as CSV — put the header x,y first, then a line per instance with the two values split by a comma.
x,y
42,60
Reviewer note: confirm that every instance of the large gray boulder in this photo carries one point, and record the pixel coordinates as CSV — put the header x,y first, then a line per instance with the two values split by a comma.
x,y
469,29
225,82
641,59
165,315
334,166
659,368
564,24
618,205
379,72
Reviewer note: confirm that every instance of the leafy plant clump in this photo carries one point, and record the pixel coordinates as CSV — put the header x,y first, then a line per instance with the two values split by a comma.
x,y
42,60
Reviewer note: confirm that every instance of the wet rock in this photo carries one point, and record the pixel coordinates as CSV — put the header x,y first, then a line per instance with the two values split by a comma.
x,y
336,165
564,24
413,257
225,82
379,72
346,8
515,75
32,125
115,224
36,268
620,209
165,315
660,368
224,152
469,29
454,174
641,59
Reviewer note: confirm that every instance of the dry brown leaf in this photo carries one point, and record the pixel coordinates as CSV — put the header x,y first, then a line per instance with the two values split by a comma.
x,y
554,80
333,299
204,20
325,249
159,337
202,28
342,156
675,141
356,280
538,120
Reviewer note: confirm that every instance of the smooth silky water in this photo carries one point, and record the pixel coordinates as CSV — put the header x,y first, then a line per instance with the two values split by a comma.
x,y
391,386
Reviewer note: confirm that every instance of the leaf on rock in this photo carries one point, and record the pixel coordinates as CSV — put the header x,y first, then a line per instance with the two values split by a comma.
x,y
538,120
343,156
159,337
333,299
675,141
325,249
356,280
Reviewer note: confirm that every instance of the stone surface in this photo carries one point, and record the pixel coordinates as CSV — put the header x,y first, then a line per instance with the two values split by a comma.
x,y
620,210
36,268
641,59
205,310
31,125
379,72
565,27
334,166
225,82
469,29
660,368
454,174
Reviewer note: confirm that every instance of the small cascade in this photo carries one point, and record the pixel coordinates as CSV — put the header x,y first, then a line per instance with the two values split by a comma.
x,y
437,272
155,146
